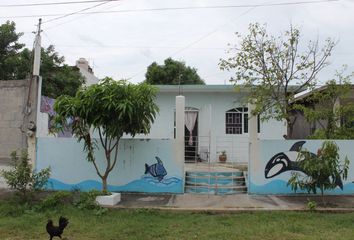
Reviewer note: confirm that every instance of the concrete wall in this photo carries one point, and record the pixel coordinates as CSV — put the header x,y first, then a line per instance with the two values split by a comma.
x,y
262,172
137,170
13,97
71,170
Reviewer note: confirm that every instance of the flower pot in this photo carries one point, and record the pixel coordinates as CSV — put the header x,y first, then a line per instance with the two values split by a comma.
x,y
108,200
222,158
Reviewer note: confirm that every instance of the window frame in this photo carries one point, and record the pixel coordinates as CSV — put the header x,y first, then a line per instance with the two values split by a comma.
x,y
235,119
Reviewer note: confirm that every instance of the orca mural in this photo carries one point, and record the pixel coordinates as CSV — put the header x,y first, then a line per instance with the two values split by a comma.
x,y
288,161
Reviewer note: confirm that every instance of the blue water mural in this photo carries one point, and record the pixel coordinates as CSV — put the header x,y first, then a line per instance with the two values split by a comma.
x,y
280,187
163,173
146,183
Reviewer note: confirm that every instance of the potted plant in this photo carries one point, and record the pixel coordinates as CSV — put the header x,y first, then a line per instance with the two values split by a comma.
x,y
222,156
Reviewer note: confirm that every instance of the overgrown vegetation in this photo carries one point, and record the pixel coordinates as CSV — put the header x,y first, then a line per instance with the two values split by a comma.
x,y
321,172
22,178
56,202
153,224
330,109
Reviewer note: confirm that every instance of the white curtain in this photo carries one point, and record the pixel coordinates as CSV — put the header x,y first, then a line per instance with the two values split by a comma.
x,y
190,118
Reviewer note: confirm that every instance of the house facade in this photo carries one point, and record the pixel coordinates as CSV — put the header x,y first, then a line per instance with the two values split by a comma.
x,y
216,120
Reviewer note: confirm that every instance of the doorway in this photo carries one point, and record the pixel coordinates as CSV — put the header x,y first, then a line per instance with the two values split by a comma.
x,y
191,135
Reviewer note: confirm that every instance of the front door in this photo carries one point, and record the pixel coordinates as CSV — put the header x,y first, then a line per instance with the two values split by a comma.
x,y
191,137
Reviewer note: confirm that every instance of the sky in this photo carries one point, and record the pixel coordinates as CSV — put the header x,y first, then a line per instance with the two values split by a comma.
x,y
124,42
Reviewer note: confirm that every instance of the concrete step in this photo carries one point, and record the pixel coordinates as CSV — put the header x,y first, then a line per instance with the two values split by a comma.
x,y
216,190
214,181
219,182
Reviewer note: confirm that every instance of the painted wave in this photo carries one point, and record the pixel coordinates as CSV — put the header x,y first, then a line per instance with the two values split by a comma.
x,y
164,182
280,187
144,184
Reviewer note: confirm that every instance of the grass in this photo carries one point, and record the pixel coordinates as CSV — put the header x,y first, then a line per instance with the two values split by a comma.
x,y
20,222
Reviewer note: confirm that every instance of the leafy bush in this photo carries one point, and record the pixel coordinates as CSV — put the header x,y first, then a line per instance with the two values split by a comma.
x,y
22,178
311,205
338,133
87,200
55,200
322,171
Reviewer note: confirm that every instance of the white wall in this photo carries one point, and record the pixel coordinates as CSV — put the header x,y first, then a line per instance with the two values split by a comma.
x,y
212,108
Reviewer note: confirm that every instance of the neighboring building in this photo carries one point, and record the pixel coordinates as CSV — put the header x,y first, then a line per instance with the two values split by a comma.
x,y
216,121
86,71
303,128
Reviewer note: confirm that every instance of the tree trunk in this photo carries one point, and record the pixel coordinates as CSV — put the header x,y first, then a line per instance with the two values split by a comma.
x,y
290,129
322,195
104,184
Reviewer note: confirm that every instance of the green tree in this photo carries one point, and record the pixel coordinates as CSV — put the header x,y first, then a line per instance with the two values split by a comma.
x,y
274,69
58,77
172,72
16,63
9,50
111,108
322,171
329,109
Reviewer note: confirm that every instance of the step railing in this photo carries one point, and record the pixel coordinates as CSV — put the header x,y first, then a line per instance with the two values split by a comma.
x,y
215,182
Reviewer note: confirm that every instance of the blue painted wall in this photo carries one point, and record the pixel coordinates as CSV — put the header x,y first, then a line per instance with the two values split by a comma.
x,y
71,170
259,184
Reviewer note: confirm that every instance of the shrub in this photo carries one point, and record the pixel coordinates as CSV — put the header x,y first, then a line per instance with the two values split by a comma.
x,y
87,200
55,200
311,205
322,171
22,178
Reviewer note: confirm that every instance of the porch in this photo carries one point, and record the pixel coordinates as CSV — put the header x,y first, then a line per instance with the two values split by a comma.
x,y
207,149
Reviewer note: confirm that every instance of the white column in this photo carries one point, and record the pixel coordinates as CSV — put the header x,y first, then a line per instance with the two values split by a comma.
x,y
253,155
180,106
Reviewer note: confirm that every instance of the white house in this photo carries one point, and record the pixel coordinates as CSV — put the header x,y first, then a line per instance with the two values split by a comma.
x,y
215,121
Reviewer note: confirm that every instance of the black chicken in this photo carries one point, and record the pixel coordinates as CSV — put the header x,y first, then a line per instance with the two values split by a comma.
x,y
55,231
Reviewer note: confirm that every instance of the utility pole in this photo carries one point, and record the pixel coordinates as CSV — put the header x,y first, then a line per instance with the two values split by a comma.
x,y
34,97
37,50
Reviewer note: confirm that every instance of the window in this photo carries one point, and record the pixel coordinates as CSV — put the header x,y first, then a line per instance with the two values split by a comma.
x,y
236,121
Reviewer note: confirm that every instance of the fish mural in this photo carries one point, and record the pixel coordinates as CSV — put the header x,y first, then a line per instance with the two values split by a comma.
x,y
286,161
156,170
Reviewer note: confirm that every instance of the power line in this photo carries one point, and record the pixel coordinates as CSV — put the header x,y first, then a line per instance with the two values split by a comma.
x,y
138,47
77,12
54,3
71,20
176,8
198,40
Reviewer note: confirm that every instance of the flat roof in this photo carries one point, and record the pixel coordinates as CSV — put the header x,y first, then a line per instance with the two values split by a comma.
x,y
196,88
205,88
